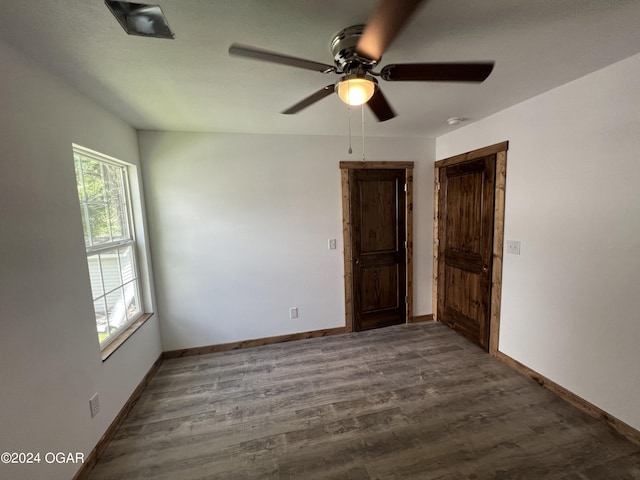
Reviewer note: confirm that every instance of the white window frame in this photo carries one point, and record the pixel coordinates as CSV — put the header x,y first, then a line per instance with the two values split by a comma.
x,y
113,247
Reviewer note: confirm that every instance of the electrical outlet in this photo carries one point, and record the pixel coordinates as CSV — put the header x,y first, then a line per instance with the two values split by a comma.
x,y
513,247
94,405
332,244
293,312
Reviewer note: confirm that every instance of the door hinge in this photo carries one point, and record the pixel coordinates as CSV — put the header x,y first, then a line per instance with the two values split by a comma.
x,y
438,186
406,299
405,187
405,244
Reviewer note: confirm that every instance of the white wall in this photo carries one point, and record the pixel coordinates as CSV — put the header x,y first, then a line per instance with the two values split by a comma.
x,y
50,363
570,302
239,227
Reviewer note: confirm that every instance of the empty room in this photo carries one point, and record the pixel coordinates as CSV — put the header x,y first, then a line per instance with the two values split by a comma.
x,y
372,239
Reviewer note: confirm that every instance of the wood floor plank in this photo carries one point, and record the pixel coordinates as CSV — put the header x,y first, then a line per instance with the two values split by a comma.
x,y
409,401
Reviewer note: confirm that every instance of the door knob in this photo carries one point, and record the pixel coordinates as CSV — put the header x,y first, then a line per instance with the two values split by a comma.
x,y
485,268
356,260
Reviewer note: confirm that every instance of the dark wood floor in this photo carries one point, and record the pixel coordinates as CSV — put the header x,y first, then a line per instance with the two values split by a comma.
x,y
404,402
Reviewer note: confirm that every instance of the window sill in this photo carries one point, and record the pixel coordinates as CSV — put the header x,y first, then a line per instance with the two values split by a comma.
x,y
122,337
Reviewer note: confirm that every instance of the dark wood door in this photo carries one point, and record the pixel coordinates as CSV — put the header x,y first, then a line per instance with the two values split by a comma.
x,y
466,210
377,204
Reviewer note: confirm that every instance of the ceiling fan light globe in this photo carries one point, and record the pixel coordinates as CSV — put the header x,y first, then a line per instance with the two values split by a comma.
x,y
356,91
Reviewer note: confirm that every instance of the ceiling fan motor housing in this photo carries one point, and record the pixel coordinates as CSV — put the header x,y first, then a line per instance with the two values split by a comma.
x,y
343,48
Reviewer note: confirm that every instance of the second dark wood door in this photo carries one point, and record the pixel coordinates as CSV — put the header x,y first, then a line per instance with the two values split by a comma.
x,y
377,204
466,209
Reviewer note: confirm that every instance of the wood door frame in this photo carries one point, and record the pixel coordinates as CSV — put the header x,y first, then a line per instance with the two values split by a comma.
x,y
500,150
346,232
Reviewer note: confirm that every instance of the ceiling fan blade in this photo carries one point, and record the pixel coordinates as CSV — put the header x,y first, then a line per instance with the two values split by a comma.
x,y
380,107
384,25
311,99
437,72
267,56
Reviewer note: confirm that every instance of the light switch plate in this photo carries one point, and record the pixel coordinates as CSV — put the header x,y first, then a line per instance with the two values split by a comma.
x,y
94,405
513,247
332,244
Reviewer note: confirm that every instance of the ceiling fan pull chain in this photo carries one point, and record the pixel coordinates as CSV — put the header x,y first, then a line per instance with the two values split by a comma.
x,y
349,117
362,111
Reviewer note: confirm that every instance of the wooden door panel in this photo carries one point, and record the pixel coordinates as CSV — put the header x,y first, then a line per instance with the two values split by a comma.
x,y
463,310
378,216
377,204
465,208
466,204
379,288
461,324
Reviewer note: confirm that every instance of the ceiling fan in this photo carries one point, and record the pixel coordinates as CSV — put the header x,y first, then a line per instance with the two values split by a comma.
x,y
357,51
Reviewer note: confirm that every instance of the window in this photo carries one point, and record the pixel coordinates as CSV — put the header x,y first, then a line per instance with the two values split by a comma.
x,y
103,191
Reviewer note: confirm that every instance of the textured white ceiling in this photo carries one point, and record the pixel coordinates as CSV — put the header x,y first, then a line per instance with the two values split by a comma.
x,y
191,83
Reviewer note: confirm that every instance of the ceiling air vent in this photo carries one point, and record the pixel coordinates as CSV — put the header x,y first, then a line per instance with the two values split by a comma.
x,y
141,19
